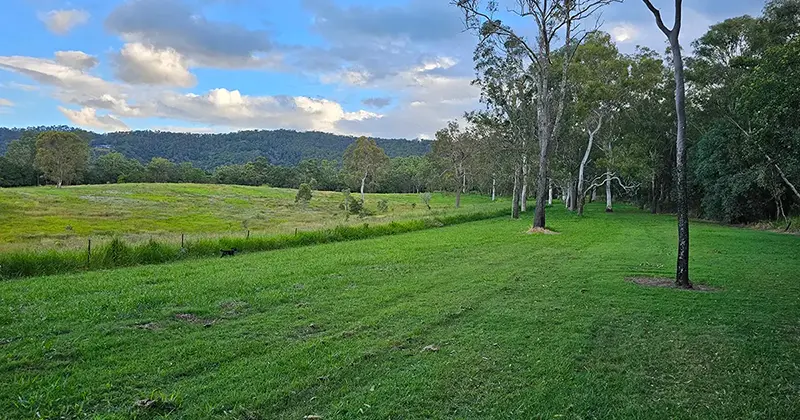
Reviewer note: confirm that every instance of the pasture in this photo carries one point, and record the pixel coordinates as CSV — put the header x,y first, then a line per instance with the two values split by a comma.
x,y
43,218
478,320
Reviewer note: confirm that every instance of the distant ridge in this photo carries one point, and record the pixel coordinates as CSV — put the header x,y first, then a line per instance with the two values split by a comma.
x,y
282,147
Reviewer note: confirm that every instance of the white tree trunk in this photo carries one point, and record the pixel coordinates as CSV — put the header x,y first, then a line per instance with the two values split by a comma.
x,y
363,182
609,207
494,187
581,193
550,194
523,199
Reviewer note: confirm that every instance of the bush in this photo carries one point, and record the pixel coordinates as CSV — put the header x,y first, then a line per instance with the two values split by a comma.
x,y
356,206
426,199
303,193
383,206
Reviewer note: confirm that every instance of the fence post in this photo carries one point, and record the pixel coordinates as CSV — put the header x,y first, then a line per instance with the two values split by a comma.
x,y
182,241
295,231
89,254
248,234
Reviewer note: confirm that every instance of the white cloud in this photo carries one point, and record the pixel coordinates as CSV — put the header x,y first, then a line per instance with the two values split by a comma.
x,y
625,33
142,64
76,59
73,83
60,22
5,103
88,118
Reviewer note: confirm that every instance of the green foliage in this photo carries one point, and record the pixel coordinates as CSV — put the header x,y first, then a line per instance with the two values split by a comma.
x,y
364,161
426,199
383,206
303,193
62,156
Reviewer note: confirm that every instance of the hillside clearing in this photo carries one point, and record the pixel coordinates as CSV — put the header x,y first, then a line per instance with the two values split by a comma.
x,y
526,326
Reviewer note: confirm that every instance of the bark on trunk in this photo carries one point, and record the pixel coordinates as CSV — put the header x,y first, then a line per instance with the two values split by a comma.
x,y
585,159
363,182
593,197
682,275
494,187
515,195
550,193
575,193
524,194
654,197
609,204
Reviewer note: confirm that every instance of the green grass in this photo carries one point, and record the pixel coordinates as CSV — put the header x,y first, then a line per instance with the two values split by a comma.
x,y
44,218
528,326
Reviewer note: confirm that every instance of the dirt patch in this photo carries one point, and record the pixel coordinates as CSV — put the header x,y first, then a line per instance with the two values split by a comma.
x,y
192,318
542,231
151,326
668,283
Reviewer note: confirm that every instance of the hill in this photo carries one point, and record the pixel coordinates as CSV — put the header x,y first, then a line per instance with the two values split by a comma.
x,y
282,147
521,326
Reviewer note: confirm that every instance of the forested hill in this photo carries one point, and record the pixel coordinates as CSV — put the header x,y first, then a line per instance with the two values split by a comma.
x,y
282,147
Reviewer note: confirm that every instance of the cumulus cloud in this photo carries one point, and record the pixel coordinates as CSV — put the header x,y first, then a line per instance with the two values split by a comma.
x,y
624,33
76,59
87,117
141,64
60,22
172,24
5,103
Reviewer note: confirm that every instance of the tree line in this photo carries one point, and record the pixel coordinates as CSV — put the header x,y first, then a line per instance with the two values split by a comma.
x,y
714,135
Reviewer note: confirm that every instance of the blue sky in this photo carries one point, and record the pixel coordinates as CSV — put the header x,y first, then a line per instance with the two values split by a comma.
x,y
395,68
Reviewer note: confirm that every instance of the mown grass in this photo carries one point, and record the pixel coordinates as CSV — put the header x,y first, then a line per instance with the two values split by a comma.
x,y
118,253
527,326
43,218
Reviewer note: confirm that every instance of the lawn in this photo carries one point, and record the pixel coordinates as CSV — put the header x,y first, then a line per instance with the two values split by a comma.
x,y
50,218
526,326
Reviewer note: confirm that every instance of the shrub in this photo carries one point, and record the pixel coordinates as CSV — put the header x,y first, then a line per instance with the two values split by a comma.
x,y
426,199
356,206
303,193
383,206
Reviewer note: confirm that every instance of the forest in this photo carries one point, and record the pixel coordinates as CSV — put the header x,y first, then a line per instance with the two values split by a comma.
x,y
582,122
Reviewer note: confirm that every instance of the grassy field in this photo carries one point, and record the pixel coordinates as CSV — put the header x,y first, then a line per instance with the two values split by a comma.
x,y
526,326
50,218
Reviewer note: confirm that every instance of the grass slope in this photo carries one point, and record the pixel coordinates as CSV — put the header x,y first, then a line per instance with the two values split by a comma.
x,y
50,218
528,326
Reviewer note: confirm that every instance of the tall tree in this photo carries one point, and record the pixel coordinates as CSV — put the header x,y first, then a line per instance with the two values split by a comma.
x,y
364,160
21,153
453,149
682,274
62,156
550,19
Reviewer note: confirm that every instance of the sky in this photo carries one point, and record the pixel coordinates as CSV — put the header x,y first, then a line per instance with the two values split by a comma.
x,y
384,68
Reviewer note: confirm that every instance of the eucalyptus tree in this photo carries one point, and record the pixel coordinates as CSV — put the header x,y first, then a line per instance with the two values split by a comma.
x,y
364,160
508,93
551,20
672,34
453,149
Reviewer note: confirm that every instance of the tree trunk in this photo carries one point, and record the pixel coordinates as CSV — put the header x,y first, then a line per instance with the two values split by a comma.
x,y
682,275
583,164
654,197
609,204
550,193
593,197
494,187
568,201
574,203
523,200
515,195
363,182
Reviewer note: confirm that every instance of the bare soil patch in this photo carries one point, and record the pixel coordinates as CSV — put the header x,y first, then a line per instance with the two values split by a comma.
x,y
192,318
542,231
668,283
